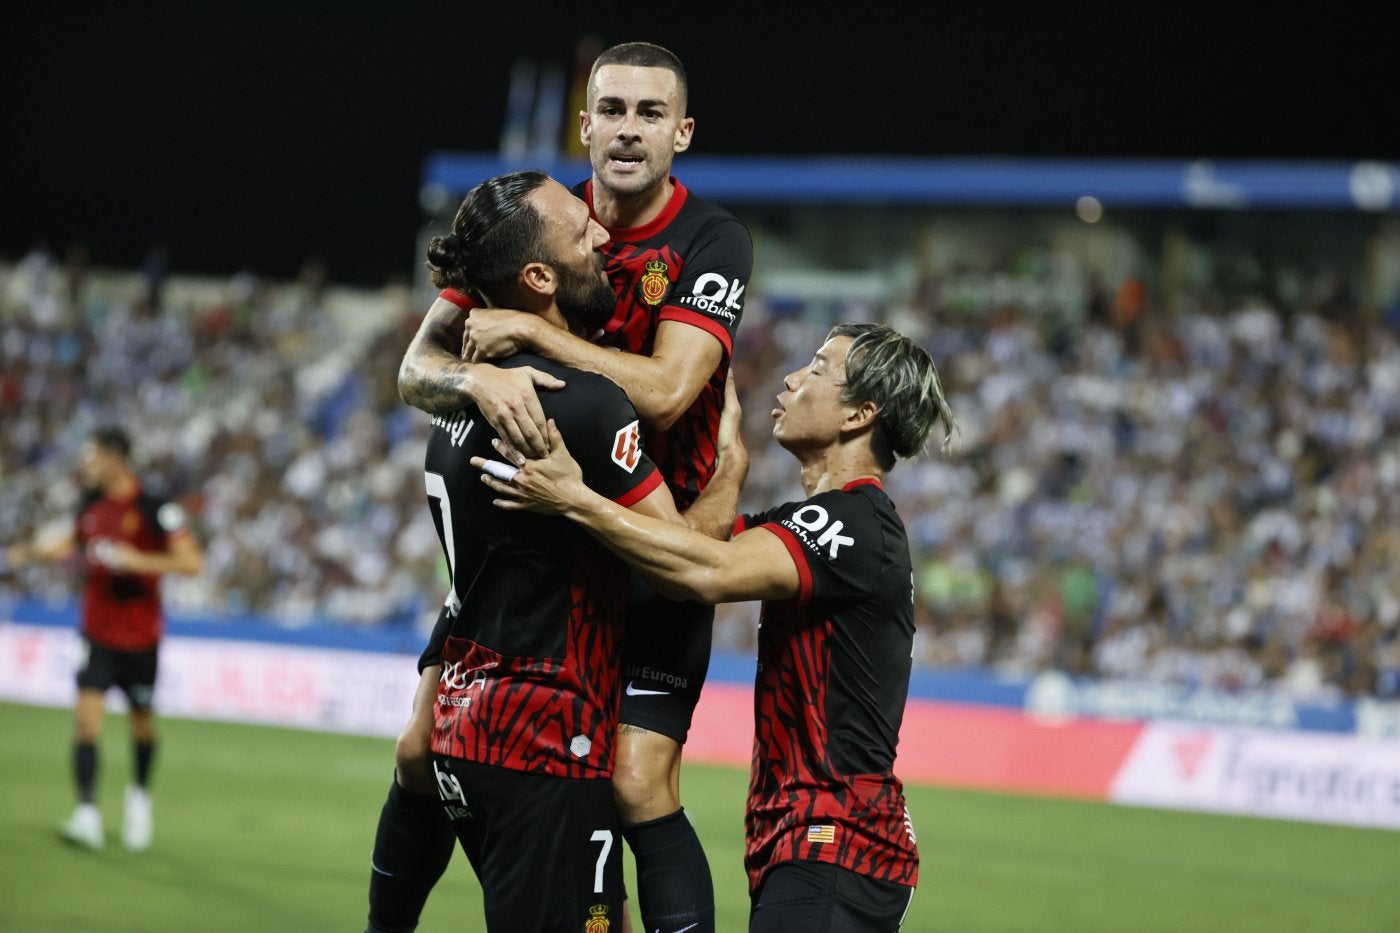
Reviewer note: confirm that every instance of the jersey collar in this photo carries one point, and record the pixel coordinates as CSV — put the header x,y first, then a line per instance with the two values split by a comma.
x,y
657,224
863,481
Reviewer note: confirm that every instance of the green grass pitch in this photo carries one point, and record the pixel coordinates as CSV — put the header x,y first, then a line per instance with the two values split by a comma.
x,y
264,829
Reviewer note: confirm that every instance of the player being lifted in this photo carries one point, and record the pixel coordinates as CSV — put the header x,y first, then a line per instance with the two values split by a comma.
x,y
529,637
679,266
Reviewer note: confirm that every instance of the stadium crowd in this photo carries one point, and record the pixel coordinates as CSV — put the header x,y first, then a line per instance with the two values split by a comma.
x,y
1210,499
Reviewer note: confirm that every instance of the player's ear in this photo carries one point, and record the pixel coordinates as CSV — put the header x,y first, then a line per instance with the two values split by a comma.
x,y
860,417
539,278
684,130
585,128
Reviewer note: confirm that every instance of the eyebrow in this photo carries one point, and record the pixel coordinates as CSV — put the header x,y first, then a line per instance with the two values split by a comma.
x,y
619,102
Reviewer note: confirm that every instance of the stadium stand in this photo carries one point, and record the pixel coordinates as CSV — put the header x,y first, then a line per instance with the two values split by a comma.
x,y
1208,497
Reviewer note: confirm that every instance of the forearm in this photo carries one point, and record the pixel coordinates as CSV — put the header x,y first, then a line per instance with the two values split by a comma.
x,y
650,383
163,562
712,513
433,377
19,555
680,563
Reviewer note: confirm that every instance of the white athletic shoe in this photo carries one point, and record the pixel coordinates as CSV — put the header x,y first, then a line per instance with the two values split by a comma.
x,y
84,827
137,824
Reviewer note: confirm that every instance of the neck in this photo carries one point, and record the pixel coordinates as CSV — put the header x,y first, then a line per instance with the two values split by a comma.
x,y
620,212
541,306
121,486
836,466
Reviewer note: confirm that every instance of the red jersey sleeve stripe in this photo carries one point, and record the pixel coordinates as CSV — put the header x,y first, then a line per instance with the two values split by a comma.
x,y
685,316
740,526
640,491
799,558
460,299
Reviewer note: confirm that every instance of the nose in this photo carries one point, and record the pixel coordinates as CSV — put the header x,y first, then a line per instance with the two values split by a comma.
x,y
791,379
599,234
627,128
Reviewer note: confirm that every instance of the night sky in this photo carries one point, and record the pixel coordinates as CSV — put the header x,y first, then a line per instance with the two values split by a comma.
x,y
251,136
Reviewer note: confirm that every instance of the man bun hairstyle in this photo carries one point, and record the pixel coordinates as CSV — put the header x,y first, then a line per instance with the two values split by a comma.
x,y
643,55
494,234
887,368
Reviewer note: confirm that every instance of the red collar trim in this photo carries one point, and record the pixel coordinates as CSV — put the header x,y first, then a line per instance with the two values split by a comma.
x,y
657,224
863,481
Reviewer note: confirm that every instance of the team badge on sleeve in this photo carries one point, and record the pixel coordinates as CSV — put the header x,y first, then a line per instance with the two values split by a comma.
x,y
654,283
627,447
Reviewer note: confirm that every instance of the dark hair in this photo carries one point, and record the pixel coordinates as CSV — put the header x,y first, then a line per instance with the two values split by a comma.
x,y
114,440
885,367
495,233
644,55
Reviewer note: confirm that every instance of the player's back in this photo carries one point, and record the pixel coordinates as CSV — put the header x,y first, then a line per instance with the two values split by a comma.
x,y
531,662
510,569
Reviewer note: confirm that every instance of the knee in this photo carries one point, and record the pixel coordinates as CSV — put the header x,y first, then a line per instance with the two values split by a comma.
x,y
638,789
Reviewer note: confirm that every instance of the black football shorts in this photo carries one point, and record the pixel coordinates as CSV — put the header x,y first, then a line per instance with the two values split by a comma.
x,y
101,668
816,897
665,658
547,850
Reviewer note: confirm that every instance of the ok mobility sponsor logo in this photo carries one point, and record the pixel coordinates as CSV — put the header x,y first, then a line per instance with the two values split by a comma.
x,y
716,295
813,526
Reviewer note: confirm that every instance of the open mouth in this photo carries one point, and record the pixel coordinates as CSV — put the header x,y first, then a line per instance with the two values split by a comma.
x,y
624,158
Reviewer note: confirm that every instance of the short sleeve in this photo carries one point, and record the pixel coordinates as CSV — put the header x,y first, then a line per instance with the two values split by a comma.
x,y
710,290
835,540
602,431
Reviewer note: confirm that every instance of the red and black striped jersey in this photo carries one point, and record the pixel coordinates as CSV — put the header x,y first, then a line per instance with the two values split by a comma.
x,y
123,610
532,653
833,678
691,264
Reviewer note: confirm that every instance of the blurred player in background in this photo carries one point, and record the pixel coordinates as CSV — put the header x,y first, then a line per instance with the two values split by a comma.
x,y
530,637
126,540
679,266
830,843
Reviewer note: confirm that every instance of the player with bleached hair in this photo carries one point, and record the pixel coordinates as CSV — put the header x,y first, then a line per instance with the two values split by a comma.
x,y
830,842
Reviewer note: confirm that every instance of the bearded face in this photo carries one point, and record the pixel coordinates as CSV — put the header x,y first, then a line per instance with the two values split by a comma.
x,y
585,298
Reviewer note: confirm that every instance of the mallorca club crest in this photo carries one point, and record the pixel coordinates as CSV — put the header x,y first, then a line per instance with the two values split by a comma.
x,y
655,284
597,919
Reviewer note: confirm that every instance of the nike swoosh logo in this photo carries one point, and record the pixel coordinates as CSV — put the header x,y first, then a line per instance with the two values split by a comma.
x,y
634,691
682,929
379,871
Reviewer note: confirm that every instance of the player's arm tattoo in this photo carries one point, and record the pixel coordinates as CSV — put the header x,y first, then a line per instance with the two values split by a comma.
x,y
433,377
626,728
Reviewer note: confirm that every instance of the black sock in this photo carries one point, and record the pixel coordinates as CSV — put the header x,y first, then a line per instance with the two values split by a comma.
x,y
85,769
411,850
145,753
674,888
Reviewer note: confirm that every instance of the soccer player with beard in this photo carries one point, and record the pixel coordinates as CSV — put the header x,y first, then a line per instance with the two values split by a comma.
x,y
830,843
529,638
679,266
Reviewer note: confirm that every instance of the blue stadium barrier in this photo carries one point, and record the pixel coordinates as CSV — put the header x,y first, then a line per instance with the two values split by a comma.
x,y
1201,184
